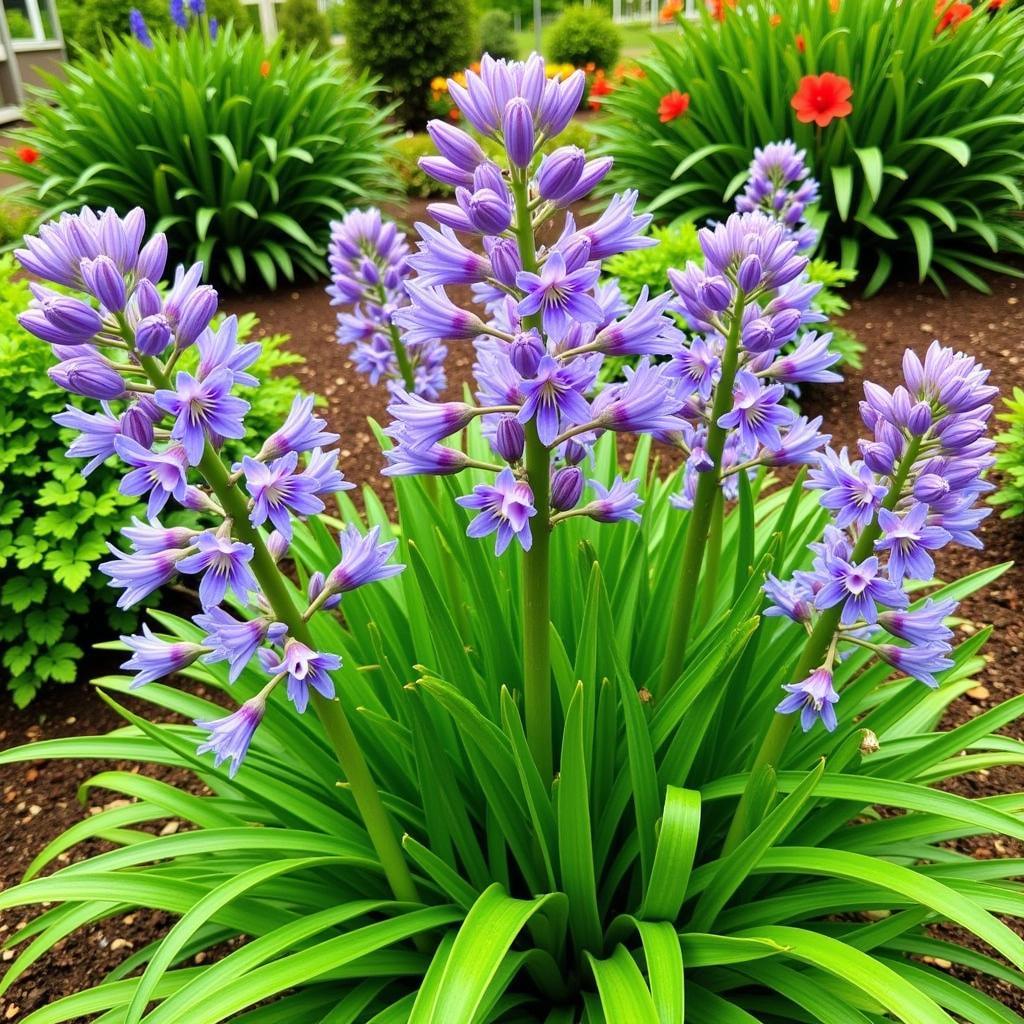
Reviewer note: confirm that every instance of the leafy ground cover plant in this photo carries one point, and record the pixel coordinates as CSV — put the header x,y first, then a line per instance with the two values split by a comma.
x,y
913,125
1010,456
694,858
243,154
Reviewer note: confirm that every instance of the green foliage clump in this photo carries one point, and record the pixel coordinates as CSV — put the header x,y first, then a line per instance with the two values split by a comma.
x,y
496,34
582,36
99,23
303,24
406,45
1010,456
54,522
923,176
240,153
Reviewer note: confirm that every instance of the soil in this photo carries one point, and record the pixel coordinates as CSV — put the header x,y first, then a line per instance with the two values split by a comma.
x,y
38,802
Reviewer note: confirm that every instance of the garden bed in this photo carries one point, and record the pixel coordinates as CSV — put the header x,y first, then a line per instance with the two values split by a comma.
x,y
38,803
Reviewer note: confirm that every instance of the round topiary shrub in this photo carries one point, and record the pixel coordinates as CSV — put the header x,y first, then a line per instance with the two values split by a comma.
x,y
406,45
303,23
584,35
496,35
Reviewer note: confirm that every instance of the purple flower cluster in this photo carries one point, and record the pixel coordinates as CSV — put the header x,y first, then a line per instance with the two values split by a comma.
x,y
546,322
179,16
914,489
166,377
781,186
369,276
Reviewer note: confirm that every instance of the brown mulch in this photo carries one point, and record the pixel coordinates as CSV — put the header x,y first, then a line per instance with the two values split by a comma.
x,y
38,802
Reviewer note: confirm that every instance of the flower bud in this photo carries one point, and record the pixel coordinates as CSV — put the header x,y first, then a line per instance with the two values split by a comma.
x,y
576,252
759,335
196,313
92,378
510,439
573,452
525,353
105,282
930,487
138,425
920,418
455,145
488,175
146,299
750,273
37,324
489,212
559,172
445,171
316,587
152,259
593,174
517,127
277,545
369,271
152,334
559,102
715,293
505,261
566,488
878,457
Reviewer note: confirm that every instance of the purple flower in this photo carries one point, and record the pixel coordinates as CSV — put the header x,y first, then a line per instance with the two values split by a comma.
x,y
696,367
920,662
559,295
789,598
923,625
190,305
859,588
756,412
752,246
566,488
455,145
140,574
153,658
424,423
442,259
90,376
97,431
814,698
618,229
850,489
908,538
139,28
300,432
559,172
435,459
556,393
509,439
364,559
278,492
801,444
644,403
432,315
177,11
161,475
304,668
518,131
614,504
151,538
104,281
322,469
808,363
224,564
203,409
233,641
230,736
505,508
219,349
644,331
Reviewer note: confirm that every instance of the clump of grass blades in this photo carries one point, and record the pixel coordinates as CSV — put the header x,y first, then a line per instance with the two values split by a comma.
x,y
241,153
924,173
604,897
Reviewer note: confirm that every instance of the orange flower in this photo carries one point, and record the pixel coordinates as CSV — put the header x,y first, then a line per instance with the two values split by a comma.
x,y
27,154
775,20
821,98
673,105
718,8
994,5
669,10
454,114
952,16
833,6
265,68
801,45
598,88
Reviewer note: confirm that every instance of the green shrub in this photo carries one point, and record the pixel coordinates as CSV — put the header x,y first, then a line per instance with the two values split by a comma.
x,y
582,36
100,22
406,45
242,154
496,34
54,522
1010,456
303,24
923,175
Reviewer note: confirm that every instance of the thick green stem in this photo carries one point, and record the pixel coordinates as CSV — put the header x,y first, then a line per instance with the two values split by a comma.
x,y
773,746
712,561
404,365
697,533
536,561
379,826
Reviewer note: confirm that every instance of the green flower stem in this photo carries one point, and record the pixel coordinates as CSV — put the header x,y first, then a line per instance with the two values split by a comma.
x,y
536,561
712,560
332,715
404,365
773,746
697,533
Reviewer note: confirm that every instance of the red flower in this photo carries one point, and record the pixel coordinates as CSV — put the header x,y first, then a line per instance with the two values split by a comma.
x,y
994,5
952,15
598,88
820,98
800,44
673,105
265,68
27,154
718,7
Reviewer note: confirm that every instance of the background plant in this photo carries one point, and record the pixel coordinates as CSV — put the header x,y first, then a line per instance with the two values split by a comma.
x,y
582,36
303,24
405,46
924,171
1010,456
496,34
243,154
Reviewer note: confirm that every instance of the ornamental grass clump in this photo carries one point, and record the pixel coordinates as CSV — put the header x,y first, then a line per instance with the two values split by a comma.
x,y
242,153
910,112
563,786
